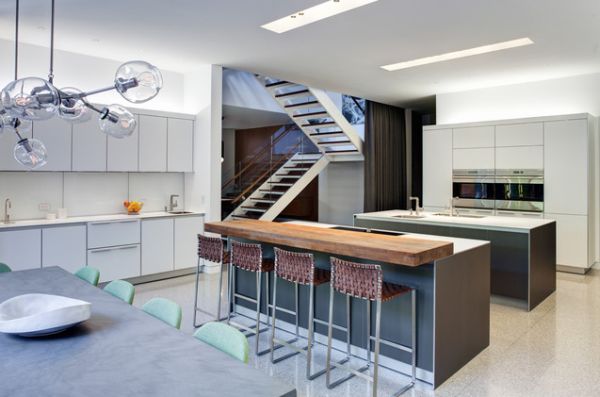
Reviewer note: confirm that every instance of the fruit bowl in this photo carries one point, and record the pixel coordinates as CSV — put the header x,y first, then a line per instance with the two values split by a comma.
x,y
133,207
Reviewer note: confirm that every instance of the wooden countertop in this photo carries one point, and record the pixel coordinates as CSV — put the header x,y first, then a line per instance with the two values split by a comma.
x,y
407,250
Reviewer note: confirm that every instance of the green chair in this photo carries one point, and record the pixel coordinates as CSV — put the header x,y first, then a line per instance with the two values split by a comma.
x,y
225,338
4,268
165,310
89,274
121,289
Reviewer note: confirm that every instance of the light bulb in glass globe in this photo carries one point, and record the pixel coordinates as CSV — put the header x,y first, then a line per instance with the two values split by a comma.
x,y
10,124
72,109
117,121
30,98
31,153
138,81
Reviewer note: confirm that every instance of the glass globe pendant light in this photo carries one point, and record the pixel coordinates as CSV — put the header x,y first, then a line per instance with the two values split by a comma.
x,y
138,81
117,121
34,99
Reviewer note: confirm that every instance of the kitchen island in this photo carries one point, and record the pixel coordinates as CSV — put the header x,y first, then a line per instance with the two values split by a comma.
x,y
450,275
523,262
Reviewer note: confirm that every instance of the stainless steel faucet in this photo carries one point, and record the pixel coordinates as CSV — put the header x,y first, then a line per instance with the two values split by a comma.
x,y
418,210
7,205
173,202
453,211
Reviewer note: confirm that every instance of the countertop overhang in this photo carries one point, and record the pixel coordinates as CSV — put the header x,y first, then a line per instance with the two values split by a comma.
x,y
407,250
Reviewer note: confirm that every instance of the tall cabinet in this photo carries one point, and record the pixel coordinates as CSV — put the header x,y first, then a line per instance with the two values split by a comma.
x,y
565,147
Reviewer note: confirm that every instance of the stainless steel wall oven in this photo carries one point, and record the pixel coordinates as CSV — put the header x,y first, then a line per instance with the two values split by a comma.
x,y
520,190
473,188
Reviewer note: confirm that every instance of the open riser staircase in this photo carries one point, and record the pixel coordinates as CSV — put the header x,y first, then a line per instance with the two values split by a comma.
x,y
320,119
275,194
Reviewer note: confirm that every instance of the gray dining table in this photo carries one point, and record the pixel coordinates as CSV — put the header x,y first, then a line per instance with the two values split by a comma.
x,y
119,351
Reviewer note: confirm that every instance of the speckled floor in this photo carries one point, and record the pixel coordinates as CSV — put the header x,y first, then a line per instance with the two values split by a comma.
x,y
553,350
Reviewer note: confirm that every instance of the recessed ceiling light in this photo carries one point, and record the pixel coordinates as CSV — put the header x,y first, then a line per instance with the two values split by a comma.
x,y
314,14
459,54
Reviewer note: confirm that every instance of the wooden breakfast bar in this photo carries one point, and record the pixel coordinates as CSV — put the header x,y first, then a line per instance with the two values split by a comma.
x,y
451,277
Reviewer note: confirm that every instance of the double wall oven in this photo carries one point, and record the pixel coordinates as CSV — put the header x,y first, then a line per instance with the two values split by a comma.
x,y
501,189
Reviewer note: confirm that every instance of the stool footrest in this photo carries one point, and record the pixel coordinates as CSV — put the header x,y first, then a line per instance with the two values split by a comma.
x,y
393,344
353,372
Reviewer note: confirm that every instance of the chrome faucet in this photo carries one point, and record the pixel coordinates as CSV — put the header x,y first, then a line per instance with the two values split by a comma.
x,y
417,209
173,202
7,205
453,211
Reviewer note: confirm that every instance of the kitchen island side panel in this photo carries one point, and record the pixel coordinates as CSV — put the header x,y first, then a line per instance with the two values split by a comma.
x,y
542,282
462,310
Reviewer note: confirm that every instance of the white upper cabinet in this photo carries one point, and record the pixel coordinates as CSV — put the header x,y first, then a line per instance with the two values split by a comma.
x,y
520,157
566,167
473,137
526,134
437,167
153,144
8,140
180,145
56,135
89,146
474,159
122,154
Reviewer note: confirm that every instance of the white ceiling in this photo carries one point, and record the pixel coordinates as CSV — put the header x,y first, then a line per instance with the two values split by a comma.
x,y
342,53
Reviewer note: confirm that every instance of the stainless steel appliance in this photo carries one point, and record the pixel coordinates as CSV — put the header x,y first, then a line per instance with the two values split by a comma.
x,y
473,188
520,190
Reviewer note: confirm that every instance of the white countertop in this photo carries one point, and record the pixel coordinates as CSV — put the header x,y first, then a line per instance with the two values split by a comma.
x,y
520,224
91,218
460,244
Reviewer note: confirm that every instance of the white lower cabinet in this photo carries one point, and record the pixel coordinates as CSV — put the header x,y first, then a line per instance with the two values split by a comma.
x,y
116,262
157,246
64,246
186,240
113,233
571,239
21,249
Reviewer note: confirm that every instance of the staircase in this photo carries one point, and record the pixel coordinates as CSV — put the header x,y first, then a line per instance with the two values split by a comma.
x,y
319,118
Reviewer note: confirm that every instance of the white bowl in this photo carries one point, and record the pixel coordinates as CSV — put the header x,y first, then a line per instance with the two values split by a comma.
x,y
41,314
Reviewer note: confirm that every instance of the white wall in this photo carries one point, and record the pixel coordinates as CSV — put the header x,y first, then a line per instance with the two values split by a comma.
x,y
86,73
90,193
242,89
579,94
341,192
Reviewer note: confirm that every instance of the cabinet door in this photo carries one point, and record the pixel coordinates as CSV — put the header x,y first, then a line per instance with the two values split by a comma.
x,y
521,157
473,137
528,134
157,246
180,145
89,146
187,229
566,167
56,135
64,246
153,144
116,262
474,159
571,239
123,153
21,249
437,167
8,140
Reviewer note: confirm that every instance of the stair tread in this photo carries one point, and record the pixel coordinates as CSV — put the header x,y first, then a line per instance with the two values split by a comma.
x,y
321,124
342,151
291,94
320,115
295,105
278,83
326,134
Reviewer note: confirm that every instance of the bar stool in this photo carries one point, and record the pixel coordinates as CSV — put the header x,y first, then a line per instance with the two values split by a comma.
x,y
248,257
210,249
365,281
299,269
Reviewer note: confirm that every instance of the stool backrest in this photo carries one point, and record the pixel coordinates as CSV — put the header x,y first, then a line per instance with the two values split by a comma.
x,y
297,267
359,280
246,256
210,248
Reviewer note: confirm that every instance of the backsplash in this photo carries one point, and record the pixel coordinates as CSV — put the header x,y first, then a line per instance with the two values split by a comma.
x,y
89,193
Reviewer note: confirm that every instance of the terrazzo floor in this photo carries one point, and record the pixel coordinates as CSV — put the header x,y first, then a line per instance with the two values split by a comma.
x,y
553,350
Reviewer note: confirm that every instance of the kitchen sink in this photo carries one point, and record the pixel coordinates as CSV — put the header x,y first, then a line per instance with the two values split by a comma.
x,y
180,212
365,230
460,216
409,216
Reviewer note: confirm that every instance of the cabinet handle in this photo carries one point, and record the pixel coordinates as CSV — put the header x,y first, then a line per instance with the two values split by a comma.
x,y
126,247
112,222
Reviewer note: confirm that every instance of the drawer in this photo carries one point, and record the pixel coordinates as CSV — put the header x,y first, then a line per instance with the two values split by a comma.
x,y
116,262
109,234
521,214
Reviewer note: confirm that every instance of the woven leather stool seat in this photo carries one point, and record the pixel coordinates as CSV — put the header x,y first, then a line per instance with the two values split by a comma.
x,y
390,291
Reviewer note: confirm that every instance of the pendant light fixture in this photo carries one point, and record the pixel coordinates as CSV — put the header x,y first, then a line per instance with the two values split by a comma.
x,y
34,99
